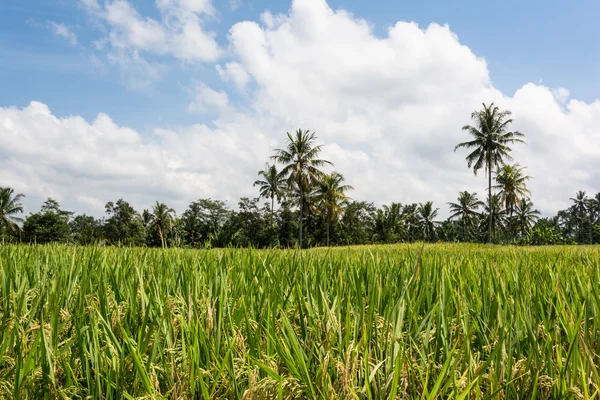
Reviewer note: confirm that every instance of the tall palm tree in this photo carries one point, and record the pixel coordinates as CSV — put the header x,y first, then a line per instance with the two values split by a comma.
x,y
272,184
427,214
580,208
301,159
330,195
525,215
162,220
10,205
490,144
465,210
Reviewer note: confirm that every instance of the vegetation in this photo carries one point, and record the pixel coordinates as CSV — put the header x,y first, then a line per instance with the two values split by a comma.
x,y
490,143
307,206
403,322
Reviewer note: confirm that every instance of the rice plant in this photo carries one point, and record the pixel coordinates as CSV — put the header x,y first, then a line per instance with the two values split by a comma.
x,y
381,322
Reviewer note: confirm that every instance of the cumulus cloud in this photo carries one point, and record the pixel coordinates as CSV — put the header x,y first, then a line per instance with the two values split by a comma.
x,y
207,99
179,33
63,31
234,72
85,164
389,110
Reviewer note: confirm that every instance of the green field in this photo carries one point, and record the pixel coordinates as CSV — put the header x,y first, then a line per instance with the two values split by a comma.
x,y
455,321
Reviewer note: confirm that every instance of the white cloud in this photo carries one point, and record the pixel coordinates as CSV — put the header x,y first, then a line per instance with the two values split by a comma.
x,y
234,72
63,31
389,110
179,33
561,95
84,165
206,99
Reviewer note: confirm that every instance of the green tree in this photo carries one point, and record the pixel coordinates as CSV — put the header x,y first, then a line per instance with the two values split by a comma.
x,y
526,216
203,218
427,215
511,183
466,211
490,144
124,224
495,215
331,196
51,224
580,209
162,221
272,184
85,229
10,206
389,224
300,158
358,222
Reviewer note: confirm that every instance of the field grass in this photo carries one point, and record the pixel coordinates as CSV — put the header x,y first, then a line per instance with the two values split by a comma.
x,y
452,321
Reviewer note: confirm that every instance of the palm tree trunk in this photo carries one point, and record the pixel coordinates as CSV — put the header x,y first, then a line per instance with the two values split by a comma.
x,y
272,207
490,200
328,222
301,215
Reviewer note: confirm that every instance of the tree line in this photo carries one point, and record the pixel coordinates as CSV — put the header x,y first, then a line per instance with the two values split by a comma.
x,y
302,206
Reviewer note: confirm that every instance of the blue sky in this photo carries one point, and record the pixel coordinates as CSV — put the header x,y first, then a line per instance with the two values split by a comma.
x,y
193,95
522,41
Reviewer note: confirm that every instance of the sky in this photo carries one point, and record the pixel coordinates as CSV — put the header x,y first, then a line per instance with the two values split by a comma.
x,y
175,100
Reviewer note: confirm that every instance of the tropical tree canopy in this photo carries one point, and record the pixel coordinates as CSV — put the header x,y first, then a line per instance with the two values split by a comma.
x,y
302,164
490,144
10,206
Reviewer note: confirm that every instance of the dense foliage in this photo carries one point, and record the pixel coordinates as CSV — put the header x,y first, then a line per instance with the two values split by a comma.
x,y
445,321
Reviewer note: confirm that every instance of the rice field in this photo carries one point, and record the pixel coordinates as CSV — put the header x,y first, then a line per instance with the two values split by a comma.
x,y
382,322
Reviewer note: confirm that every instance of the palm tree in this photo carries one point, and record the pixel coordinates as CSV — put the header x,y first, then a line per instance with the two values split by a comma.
x,y
465,210
162,220
272,184
595,208
511,182
427,214
300,157
496,215
490,144
147,218
389,223
330,195
10,205
526,215
580,208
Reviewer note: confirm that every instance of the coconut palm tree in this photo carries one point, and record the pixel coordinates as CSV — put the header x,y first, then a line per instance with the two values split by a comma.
x,y
331,196
595,209
427,214
272,184
580,209
511,183
465,211
162,220
301,159
490,144
496,215
10,205
526,216
389,224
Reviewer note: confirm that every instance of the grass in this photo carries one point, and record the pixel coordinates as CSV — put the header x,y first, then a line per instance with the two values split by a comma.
x,y
452,321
